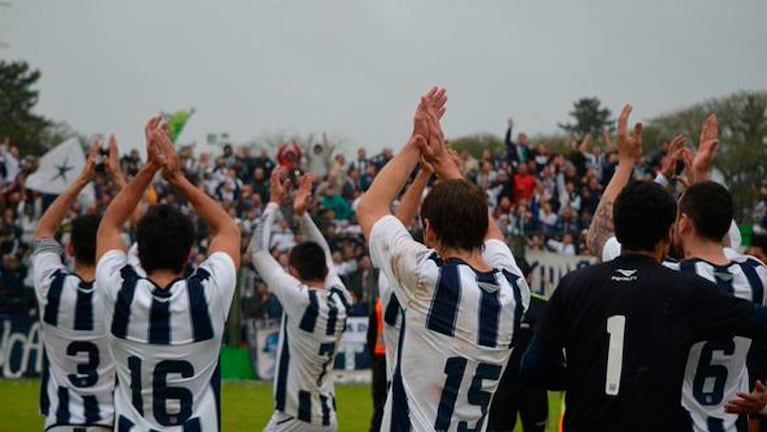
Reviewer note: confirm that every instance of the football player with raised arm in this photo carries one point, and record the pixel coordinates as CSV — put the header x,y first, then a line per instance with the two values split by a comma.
x,y
716,369
165,329
461,301
316,305
78,372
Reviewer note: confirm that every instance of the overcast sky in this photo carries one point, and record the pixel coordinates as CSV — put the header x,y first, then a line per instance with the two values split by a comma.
x,y
356,68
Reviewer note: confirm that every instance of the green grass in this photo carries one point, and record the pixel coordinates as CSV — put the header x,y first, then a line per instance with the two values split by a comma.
x,y
246,406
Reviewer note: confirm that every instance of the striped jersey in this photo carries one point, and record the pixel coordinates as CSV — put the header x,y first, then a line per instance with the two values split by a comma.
x,y
716,369
78,371
456,333
312,325
166,342
392,321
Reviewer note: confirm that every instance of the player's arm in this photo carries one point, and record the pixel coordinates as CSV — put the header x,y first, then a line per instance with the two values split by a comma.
x,y
629,149
278,281
308,228
375,203
543,364
51,220
226,234
411,200
122,206
119,181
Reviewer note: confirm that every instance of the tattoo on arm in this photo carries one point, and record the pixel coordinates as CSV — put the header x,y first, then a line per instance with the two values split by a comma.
x,y
601,229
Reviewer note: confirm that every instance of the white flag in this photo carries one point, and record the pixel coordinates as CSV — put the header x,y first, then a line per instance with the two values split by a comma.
x,y
59,168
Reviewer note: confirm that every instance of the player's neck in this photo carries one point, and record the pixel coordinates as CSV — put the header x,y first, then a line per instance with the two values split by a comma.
x,y
85,272
705,250
163,278
472,257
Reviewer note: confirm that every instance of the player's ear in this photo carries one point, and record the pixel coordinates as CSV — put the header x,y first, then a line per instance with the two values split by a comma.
x,y
293,272
684,224
429,238
70,249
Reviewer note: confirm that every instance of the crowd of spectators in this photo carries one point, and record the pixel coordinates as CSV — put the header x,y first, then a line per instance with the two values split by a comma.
x,y
540,197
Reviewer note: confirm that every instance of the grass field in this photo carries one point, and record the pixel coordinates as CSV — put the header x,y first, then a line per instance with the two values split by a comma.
x,y
247,406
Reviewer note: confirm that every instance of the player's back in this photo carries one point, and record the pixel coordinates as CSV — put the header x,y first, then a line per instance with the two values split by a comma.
x,y
455,340
716,369
166,342
78,371
627,326
312,326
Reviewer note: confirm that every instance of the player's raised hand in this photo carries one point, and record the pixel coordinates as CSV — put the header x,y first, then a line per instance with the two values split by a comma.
x,y
154,155
112,163
707,147
277,184
629,143
172,166
436,98
303,194
674,154
748,403
89,170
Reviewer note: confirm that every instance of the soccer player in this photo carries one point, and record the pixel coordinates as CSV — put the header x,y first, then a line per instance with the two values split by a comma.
x,y
513,397
165,330
316,305
78,375
716,369
388,314
460,305
627,326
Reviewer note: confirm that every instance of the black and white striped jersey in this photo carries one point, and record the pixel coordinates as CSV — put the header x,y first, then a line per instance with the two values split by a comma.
x,y
78,371
312,325
456,333
166,343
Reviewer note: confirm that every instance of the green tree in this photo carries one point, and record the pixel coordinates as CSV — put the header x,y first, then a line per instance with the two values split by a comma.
x,y
18,122
742,153
476,144
589,117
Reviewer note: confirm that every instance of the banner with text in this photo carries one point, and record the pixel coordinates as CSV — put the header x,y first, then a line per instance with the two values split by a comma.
x,y
548,268
21,349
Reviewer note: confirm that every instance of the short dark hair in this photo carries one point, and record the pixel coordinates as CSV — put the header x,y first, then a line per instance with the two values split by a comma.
x,y
308,258
83,238
759,241
457,212
643,214
711,209
165,237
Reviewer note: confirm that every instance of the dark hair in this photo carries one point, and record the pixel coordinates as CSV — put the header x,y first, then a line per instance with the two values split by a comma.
x,y
710,207
457,212
83,238
759,241
308,259
643,214
164,237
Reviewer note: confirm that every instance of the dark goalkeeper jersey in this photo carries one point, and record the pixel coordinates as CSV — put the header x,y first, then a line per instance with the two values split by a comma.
x,y
626,327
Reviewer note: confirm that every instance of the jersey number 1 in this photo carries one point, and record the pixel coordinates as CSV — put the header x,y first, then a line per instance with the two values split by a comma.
x,y
616,328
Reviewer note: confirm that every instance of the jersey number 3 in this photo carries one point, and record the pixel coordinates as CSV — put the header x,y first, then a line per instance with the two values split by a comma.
x,y
616,328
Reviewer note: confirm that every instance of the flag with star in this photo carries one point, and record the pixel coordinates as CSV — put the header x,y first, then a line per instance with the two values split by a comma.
x,y
59,168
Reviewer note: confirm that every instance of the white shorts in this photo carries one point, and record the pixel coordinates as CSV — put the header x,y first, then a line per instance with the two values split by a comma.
x,y
282,422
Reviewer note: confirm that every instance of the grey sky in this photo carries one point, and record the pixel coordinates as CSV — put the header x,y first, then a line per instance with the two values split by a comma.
x,y
356,68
